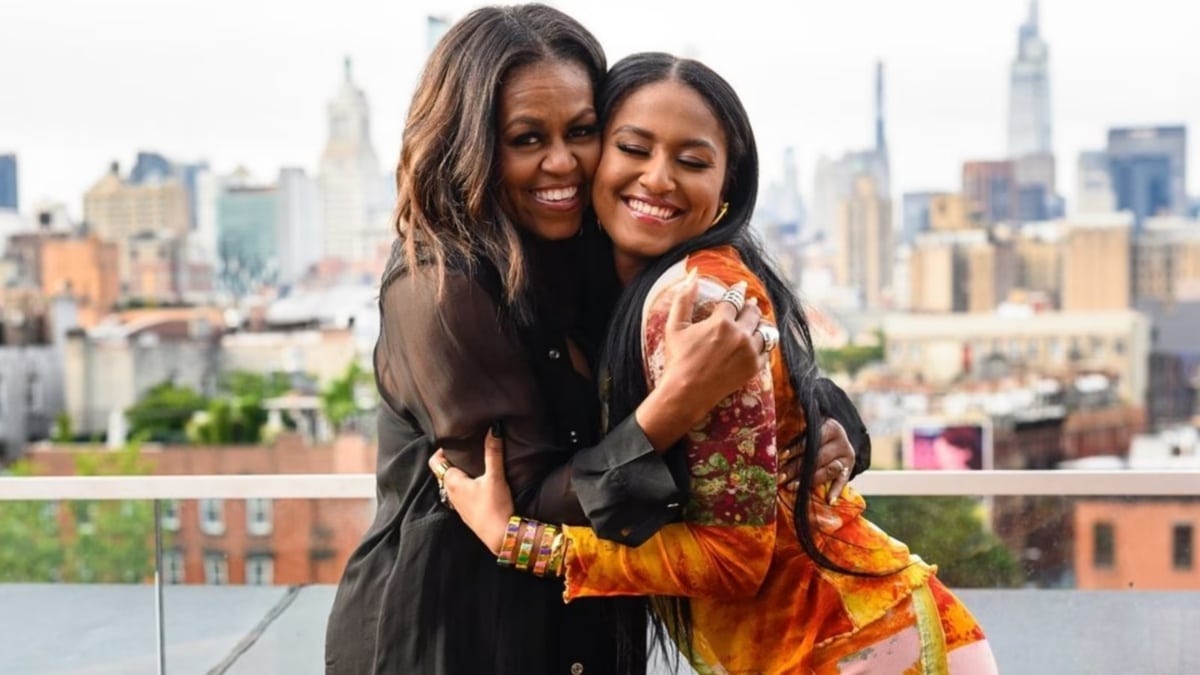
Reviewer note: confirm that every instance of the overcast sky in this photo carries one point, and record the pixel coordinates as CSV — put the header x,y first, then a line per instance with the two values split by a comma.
x,y
245,82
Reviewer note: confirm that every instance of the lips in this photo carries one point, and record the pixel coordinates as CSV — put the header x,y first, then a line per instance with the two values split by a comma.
x,y
558,198
654,210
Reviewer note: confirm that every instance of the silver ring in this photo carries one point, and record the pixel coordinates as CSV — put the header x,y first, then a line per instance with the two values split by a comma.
x,y
770,336
735,297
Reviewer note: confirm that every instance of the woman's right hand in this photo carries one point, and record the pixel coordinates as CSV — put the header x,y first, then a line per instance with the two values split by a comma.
x,y
485,503
703,362
717,354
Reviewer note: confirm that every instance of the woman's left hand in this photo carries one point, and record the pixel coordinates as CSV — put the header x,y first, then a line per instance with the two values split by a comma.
x,y
485,503
835,457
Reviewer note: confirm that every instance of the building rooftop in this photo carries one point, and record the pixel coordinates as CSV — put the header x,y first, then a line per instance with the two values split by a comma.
x,y
110,630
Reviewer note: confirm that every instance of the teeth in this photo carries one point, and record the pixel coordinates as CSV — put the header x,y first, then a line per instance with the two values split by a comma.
x,y
557,194
650,209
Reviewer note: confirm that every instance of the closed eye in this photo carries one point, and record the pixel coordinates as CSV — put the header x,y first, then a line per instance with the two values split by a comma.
x,y
635,150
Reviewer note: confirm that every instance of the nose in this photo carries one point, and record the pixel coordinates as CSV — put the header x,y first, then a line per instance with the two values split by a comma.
x,y
656,175
559,159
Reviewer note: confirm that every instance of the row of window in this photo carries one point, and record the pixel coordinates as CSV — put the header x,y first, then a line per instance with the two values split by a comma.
x,y
1052,348
260,569
212,516
1104,546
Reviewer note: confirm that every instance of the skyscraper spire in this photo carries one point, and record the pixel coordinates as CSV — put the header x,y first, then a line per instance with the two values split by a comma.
x,y
1029,123
346,66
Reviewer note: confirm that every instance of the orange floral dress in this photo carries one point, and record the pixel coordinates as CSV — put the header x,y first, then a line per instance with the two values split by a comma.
x,y
759,602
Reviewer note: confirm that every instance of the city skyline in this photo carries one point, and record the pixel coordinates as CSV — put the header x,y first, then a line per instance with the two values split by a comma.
x,y
248,86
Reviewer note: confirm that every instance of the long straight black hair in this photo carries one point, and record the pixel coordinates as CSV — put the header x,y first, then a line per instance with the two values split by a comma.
x,y
622,358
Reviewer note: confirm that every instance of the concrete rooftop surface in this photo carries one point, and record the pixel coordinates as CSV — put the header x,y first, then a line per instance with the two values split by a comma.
x,y
61,629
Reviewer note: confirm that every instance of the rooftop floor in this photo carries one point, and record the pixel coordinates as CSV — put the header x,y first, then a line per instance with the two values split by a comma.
x,y
58,629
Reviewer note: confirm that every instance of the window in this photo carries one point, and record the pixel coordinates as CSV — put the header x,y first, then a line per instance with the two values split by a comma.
x,y
258,517
35,398
1181,547
169,515
172,567
212,516
260,570
216,569
1103,545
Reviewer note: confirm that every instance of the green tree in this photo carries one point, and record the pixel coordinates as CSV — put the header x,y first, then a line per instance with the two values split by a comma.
x,y
87,541
163,412
114,540
31,549
238,415
63,431
949,532
342,398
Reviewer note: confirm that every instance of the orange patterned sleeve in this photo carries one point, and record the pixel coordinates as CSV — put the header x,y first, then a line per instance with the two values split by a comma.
x,y
724,545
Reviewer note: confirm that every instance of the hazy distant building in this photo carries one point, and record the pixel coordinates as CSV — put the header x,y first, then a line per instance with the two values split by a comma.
x,y
1094,187
942,348
834,180
117,209
8,182
959,271
1097,265
1029,121
1038,252
355,215
990,187
864,241
1148,169
299,224
247,236
1166,262
84,268
915,208
150,167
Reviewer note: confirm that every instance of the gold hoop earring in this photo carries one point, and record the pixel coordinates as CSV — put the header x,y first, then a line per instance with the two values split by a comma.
x,y
721,212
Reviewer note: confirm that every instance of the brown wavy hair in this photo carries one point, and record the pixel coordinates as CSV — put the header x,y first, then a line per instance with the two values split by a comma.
x,y
447,203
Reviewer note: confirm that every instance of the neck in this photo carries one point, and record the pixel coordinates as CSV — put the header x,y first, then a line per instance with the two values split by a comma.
x,y
628,266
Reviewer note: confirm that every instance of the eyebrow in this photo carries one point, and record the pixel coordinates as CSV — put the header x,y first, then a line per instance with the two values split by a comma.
x,y
687,143
538,122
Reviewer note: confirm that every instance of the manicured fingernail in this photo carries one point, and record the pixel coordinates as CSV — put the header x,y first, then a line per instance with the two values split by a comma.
x,y
741,286
794,486
498,429
752,302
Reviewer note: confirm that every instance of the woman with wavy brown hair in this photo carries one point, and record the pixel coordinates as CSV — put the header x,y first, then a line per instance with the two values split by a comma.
x,y
492,309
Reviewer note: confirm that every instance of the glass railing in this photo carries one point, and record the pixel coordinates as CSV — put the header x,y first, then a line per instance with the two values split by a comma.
x,y
1068,571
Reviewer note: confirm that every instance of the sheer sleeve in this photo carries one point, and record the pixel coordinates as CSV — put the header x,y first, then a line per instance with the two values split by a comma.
x,y
449,355
724,545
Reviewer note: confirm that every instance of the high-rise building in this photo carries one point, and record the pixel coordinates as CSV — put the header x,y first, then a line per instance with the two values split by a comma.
x,y
1094,188
1038,250
1097,262
117,210
916,206
247,235
990,188
834,180
1166,261
299,224
355,217
1148,169
1029,124
8,182
864,241
959,271
150,167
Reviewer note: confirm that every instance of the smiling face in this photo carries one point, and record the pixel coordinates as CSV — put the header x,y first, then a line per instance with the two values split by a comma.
x,y
549,146
662,172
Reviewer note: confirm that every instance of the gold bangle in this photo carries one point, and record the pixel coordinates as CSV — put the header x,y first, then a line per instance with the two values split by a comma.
x,y
544,550
527,538
509,547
